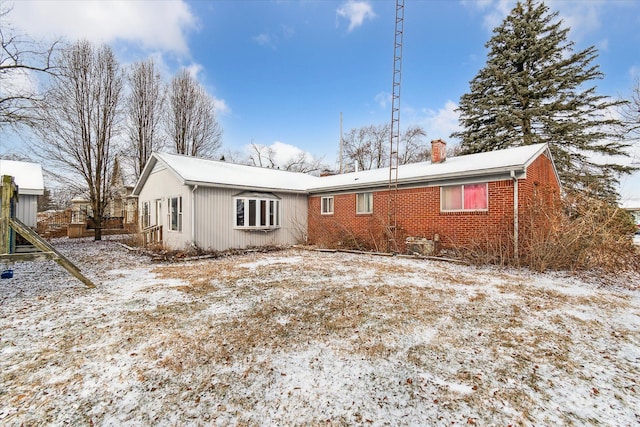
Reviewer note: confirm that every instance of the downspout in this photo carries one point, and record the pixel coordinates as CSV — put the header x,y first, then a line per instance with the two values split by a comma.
x,y
515,216
193,215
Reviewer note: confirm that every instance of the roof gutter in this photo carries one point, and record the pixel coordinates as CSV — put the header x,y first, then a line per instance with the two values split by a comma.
x,y
434,180
193,215
245,187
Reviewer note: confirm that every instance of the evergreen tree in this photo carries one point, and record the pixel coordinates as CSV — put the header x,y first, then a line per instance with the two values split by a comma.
x,y
44,202
534,89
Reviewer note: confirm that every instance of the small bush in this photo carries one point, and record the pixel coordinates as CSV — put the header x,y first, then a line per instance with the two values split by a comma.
x,y
584,233
578,233
377,237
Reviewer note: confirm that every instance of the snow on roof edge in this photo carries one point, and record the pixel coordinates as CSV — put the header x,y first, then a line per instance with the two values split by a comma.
x,y
198,171
27,175
478,164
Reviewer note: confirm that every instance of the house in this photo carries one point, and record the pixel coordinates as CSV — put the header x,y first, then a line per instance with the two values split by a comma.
x,y
29,179
455,201
217,205
122,206
633,207
119,216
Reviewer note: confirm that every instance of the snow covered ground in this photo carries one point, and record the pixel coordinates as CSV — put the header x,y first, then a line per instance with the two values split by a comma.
x,y
301,337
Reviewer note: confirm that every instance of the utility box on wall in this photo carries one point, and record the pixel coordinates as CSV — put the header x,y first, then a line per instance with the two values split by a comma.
x,y
420,246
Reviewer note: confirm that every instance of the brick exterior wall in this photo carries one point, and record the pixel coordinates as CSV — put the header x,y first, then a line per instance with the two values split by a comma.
x,y
418,214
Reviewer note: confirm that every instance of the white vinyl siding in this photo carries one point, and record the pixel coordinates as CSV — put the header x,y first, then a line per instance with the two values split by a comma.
x,y
160,187
217,216
214,218
26,209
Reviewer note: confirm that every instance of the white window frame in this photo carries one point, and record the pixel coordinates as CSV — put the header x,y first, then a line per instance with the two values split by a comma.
x,y
328,203
146,214
368,203
158,212
442,209
265,212
178,213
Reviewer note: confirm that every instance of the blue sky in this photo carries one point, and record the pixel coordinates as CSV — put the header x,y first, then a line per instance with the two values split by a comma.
x,y
282,71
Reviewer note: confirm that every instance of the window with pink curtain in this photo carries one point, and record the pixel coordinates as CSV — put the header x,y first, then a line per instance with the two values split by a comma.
x,y
475,197
469,197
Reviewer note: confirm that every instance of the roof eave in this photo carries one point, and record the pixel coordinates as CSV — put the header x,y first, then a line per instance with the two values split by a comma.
x,y
145,174
431,179
244,187
31,191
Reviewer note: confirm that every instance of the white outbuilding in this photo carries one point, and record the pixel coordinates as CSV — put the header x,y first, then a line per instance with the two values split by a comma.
x,y
30,181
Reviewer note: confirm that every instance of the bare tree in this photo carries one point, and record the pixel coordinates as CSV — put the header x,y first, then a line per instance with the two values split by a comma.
x,y
630,114
413,148
144,113
262,156
305,163
368,147
266,157
79,120
191,120
20,59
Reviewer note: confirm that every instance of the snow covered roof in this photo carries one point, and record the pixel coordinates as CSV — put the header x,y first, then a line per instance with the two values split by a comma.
x,y
196,171
28,176
468,166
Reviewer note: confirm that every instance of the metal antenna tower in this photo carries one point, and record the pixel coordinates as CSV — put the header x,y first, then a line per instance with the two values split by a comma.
x,y
394,140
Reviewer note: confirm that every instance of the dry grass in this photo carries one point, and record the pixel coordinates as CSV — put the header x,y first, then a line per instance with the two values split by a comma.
x,y
372,321
295,337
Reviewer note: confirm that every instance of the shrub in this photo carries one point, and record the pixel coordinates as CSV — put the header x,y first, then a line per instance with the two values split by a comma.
x,y
578,233
376,237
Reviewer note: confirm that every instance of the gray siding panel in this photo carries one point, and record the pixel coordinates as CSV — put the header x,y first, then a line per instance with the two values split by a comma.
x,y
27,209
214,215
215,221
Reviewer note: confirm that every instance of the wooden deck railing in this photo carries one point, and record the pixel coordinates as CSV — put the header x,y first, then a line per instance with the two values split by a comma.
x,y
152,234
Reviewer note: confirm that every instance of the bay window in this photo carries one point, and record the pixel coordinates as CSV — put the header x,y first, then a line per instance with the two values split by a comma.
x,y
257,212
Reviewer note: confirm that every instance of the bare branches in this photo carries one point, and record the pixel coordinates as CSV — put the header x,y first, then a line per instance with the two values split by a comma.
x,y
630,113
299,161
21,60
304,163
191,121
412,147
368,147
262,156
144,112
80,118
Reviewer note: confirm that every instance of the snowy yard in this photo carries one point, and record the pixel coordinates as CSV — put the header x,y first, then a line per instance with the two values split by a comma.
x,y
301,337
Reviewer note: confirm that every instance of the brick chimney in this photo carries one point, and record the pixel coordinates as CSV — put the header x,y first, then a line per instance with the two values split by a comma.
x,y
438,151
